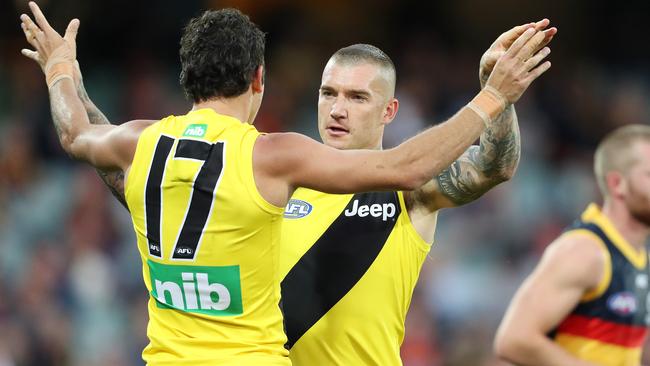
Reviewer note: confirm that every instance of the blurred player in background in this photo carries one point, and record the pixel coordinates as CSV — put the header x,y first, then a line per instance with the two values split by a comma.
x,y
350,262
587,301
206,191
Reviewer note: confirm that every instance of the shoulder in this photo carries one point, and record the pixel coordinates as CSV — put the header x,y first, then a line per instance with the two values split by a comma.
x,y
290,150
126,136
577,255
579,243
132,129
282,143
273,150
137,125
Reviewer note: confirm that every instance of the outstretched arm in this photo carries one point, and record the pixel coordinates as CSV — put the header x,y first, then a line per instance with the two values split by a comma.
x,y
479,169
103,146
496,158
113,179
281,159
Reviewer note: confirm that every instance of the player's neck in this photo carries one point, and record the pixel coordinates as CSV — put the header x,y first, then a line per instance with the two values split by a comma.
x,y
376,146
633,230
238,107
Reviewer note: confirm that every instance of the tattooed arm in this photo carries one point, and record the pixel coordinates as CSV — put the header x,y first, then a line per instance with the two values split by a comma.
x,y
114,180
106,147
495,160
478,170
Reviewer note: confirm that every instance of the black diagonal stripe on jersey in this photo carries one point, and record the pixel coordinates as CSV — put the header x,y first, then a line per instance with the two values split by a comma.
x,y
153,193
336,262
202,193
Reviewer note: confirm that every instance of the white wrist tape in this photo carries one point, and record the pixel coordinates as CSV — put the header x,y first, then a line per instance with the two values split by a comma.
x,y
488,104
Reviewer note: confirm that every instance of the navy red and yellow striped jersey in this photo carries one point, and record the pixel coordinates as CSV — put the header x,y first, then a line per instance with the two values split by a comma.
x,y
609,326
350,264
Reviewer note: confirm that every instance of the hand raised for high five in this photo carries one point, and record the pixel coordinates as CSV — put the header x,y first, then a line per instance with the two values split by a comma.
x,y
50,48
520,65
505,40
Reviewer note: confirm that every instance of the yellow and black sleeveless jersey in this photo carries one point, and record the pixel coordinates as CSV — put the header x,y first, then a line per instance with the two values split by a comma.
x,y
609,325
350,264
209,244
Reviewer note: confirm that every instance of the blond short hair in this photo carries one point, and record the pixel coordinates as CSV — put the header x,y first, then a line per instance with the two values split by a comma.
x,y
616,152
366,53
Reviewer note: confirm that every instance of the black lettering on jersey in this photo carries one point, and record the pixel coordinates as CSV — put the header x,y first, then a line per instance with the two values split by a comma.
x,y
153,194
336,261
202,197
202,193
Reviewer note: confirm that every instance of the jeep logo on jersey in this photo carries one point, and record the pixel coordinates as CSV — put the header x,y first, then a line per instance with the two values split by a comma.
x,y
622,303
197,289
196,130
385,210
296,209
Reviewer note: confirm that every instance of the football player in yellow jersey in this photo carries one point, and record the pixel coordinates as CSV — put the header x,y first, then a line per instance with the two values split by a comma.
x,y
588,300
350,262
206,191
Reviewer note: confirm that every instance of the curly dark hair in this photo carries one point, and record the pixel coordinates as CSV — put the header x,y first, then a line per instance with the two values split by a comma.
x,y
220,51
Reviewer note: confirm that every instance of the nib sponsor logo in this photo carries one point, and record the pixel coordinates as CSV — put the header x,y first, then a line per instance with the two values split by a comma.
x,y
196,130
197,289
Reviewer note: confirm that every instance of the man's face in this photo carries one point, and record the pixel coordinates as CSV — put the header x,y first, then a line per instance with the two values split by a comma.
x,y
353,105
637,198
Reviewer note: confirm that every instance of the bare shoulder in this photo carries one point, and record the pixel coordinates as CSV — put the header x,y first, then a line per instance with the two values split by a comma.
x,y
275,152
137,125
127,134
274,157
274,142
125,137
282,153
580,244
577,256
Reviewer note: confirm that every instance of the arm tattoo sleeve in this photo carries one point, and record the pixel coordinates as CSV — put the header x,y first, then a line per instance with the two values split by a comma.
x,y
482,167
61,113
114,180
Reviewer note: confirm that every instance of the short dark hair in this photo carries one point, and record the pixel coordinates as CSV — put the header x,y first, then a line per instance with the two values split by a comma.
x,y
220,52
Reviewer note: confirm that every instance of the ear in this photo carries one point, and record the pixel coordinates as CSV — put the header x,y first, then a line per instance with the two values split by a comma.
x,y
390,111
616,184
258,80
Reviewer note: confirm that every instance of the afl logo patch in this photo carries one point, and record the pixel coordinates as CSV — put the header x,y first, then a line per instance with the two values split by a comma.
x,y
622,303
297,209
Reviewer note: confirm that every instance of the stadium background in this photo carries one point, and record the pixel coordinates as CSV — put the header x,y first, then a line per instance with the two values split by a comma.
x,y
70,280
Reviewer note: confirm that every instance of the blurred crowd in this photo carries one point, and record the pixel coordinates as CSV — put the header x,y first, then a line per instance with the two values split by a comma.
x,y
71,290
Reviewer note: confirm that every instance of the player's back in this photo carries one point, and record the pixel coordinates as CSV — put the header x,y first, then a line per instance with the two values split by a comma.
x,y
209,244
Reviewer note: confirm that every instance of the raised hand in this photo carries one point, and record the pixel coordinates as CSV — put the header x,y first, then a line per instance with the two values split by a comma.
x,y
520,65
505,40
50,47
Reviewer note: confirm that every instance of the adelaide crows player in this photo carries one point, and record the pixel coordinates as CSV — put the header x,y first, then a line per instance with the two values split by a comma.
x,y
587,301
